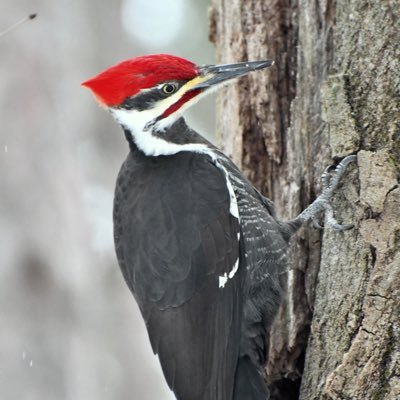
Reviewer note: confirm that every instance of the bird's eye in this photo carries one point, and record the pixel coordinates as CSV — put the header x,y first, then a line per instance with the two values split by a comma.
x,y
169,88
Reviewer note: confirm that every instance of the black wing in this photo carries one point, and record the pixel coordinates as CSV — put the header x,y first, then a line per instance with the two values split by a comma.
x,y
265,244
174,239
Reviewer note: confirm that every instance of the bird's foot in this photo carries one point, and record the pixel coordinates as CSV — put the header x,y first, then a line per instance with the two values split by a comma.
x,y
330,180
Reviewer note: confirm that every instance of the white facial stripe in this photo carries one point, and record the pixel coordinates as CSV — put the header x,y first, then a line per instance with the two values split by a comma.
x,y
150,144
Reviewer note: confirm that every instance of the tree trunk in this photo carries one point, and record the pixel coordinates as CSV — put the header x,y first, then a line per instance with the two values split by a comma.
x,y
334,91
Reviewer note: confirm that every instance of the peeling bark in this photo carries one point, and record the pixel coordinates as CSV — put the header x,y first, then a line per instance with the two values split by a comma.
x,y
335,90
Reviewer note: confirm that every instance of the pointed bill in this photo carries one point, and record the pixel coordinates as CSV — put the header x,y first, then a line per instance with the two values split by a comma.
x,y
212,75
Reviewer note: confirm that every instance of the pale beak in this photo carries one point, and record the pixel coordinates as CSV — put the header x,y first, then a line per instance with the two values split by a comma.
x,y
216,74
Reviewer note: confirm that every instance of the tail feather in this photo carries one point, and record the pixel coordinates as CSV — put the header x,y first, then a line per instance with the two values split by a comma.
x,y
249,384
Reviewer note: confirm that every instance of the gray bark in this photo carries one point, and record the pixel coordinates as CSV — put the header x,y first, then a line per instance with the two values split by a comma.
x,y
335,90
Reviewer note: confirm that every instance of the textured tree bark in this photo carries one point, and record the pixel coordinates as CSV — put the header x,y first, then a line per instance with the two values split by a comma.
x,y
335,90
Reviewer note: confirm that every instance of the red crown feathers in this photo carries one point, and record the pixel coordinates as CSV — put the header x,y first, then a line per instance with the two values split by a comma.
x,y
128,77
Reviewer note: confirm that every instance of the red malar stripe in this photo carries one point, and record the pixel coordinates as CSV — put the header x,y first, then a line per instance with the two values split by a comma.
x,y
176,106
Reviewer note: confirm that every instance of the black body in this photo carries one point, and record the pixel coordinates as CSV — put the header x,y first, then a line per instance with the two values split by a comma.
x,y
175,237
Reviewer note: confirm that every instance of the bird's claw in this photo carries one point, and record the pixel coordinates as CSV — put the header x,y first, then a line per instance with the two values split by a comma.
x,y
330,180
332,174
334,225
316,224
330,220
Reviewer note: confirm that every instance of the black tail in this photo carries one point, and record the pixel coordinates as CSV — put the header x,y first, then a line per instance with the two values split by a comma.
x,y
249,384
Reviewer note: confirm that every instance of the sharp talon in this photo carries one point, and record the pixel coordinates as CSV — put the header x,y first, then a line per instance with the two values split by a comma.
x,y
342,228
348,159
331,168
345,162
330,181
316,225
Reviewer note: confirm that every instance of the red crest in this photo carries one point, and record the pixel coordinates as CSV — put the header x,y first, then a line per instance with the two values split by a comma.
x,y
128,77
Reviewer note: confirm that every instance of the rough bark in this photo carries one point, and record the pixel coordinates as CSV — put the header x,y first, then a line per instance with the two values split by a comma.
x,y
335,90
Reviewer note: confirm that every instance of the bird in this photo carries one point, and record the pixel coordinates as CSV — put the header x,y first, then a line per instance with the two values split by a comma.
x,y
200,248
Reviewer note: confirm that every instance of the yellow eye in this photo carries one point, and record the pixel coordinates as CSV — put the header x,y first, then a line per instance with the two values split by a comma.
x,y
169,88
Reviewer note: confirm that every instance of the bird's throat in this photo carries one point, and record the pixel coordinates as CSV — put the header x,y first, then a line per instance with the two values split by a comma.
x,y
155,143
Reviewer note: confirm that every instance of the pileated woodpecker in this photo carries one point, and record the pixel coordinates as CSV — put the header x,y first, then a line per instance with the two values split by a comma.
x,y
200,248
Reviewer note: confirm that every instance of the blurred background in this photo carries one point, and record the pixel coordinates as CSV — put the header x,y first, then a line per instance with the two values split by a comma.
x,y
69,327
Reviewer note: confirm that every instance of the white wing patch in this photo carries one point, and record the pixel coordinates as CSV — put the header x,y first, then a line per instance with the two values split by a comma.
x,y
224,278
